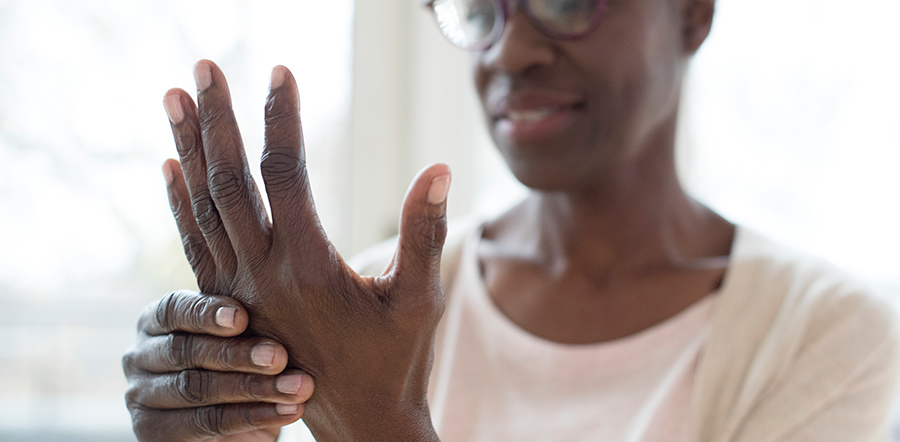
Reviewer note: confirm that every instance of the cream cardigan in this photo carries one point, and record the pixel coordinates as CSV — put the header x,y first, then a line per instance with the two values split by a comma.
x,y
797,350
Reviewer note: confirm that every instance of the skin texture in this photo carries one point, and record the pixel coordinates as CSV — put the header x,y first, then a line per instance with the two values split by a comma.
x,y
606,245
190,377
373,336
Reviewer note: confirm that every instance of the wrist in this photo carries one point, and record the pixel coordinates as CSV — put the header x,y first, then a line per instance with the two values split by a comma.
x,y
378,424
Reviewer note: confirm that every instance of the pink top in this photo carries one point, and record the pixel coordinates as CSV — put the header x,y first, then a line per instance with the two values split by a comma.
x,y
493,381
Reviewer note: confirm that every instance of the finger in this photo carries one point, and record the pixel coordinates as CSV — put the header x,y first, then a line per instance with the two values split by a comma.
x,y
189,142
284,172
181,351
195,248
204,423
423,228
193,312
198,388
231,186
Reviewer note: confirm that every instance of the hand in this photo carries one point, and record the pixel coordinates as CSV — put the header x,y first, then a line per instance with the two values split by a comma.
x,y
191,377
368,341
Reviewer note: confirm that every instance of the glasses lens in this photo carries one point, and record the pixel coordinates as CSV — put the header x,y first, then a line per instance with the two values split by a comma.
x,y
565,17
467,23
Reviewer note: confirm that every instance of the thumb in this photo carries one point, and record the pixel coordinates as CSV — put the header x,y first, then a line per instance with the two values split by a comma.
x,y
423,228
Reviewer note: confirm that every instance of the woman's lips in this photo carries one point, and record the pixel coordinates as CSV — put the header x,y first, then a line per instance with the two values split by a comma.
x,y
530,125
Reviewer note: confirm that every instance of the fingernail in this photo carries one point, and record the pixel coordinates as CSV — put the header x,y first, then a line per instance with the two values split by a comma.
x,y
440,187
174,110
278,74
167,173
286,409
289,384
202,76
225,317
263,355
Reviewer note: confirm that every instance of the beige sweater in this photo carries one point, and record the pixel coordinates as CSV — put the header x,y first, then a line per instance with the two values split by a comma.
x,y
797,351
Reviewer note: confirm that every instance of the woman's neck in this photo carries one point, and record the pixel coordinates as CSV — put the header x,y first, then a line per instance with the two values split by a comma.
x,y
637,218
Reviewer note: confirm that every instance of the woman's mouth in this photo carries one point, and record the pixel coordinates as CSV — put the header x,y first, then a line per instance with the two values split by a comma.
x,y
530,125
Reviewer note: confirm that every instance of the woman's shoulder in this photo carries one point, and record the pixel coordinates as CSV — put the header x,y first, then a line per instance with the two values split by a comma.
x,y
792,335
805,288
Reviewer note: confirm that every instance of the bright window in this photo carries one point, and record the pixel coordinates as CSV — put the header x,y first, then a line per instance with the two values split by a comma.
x,y
793,127
85,235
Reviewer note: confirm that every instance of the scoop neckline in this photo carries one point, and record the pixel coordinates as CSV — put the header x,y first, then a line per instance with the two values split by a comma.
x,y
647,337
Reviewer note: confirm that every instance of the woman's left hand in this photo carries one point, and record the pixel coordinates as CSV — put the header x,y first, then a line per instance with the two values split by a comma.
x,y
367,341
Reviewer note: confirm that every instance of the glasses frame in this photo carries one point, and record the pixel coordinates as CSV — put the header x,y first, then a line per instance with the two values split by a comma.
x,y
503,9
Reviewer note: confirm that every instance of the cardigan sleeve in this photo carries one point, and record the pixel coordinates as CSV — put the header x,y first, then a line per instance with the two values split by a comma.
x,y
860,409
841,385
799,351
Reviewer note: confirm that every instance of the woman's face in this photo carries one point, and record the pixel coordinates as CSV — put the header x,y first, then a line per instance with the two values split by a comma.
x,y
567,114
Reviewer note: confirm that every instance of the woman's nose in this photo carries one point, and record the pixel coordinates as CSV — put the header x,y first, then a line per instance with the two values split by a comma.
x,y
520,47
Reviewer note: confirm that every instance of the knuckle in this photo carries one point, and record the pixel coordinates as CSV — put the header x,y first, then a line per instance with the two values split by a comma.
x,y
210,421
205,213
245,418
192,387
132,396
225,184
251,388
176,205
431,233
280,169
212,117
186,144
197,313
280,118
180,352
229,354
130,362
427,310
165,310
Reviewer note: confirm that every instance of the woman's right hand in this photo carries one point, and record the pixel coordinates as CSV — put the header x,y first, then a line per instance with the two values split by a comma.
x,y
192,377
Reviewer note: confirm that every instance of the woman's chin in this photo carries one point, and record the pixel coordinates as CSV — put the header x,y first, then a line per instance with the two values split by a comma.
x,y
547,177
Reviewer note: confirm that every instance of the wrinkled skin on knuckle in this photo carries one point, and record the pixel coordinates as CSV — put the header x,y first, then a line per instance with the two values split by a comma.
x,y
205,213
187,145
209,421
176,205
430,234
281,121
214,118
165,310
231,355
280,170
197,311
249,386
181,351
226,184
192,387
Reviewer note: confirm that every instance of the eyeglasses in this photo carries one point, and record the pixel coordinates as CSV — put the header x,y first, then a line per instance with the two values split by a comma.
x,y
478,24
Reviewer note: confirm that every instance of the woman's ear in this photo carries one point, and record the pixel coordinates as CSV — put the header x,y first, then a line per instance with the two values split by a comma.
x,y
696,19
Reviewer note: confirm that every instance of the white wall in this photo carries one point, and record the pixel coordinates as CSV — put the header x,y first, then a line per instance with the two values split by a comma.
x,y
413,105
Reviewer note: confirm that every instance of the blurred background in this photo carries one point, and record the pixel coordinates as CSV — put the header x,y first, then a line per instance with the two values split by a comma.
x,y
791,126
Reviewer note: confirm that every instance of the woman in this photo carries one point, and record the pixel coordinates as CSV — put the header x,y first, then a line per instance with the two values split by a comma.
x,y
608,305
